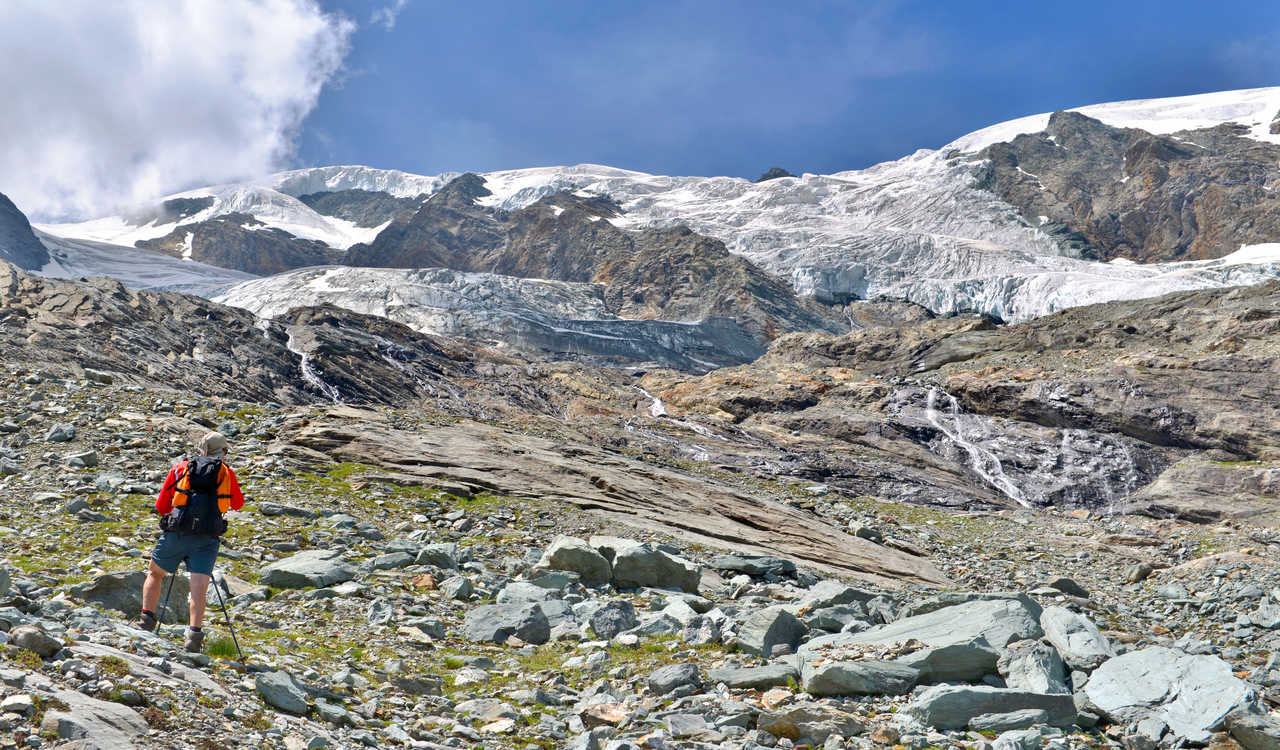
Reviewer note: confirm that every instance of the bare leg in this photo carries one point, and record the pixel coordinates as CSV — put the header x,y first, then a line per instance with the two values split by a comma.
x,y
199,590
151,587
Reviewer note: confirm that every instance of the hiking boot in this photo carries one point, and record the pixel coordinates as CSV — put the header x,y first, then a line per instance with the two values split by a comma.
x,y
148,622
195,641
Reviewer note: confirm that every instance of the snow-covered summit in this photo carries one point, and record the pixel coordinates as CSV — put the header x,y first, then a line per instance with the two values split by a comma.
x,y
1254,108
919,228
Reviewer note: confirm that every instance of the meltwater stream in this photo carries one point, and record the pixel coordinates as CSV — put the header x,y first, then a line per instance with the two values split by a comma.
x,y
953,424
309,373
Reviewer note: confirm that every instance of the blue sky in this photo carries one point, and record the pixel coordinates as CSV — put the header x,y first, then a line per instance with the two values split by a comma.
x,y
732,88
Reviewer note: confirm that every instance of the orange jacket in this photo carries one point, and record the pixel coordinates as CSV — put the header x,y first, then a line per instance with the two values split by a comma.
x,y
229,495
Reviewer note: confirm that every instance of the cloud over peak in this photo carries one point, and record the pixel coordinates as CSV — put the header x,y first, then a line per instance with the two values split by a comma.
x,y
111,104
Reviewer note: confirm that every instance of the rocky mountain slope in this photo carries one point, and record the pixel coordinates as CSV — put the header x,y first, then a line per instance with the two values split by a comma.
x,y
18,244
514,554
673,275
537,319
1129,194
927,228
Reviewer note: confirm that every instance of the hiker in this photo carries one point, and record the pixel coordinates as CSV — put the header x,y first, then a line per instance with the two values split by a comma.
x,y
195,495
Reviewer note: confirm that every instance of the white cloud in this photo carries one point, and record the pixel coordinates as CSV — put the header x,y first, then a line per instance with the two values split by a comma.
x,y
387,15
110,104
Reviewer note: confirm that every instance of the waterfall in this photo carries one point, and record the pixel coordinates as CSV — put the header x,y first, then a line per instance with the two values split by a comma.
x,y
656,407
309,373
982,461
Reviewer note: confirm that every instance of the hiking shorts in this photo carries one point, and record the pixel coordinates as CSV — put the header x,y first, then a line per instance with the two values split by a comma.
x,y
199,551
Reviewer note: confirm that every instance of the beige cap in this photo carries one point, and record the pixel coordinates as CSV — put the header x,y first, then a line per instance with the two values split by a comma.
x,y
213,444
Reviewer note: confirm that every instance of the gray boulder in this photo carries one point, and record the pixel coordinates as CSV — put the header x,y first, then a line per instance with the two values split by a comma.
x,y
613,618
575,555
60,433
391,561
953,662
754,678
1254,731
1077,640
457,588
815,721
313,567
105,724
637,565
954,706
830,593
769,627
961,640
754,565
953,598
4,581
122,592
498,622
34,639
520,592
1266,616
282,692
443,555
859,678
1034,667
1008,721
673,676
1192,695
834,619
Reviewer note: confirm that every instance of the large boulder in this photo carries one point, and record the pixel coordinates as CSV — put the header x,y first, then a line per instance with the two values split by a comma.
x,y
34,639
522,592
640,565
122,592
1254,730
281,691
859,678
613,618
814,721
309,568
1034,667
830,593
754,678
4,581
105,724
770,627
954,706
1192,695
497,622
575,555
1079,642
959,642
754,565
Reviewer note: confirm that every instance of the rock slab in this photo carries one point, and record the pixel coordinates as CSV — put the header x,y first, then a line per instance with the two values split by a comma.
x,y
1193,695
497,622
313,567
954,706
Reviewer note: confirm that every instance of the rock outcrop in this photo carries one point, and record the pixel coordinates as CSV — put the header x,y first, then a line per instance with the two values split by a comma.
x,y
1126,193
242,243
18,243
667,274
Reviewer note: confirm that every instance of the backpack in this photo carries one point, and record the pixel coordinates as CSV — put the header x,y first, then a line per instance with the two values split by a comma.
x,y
195,502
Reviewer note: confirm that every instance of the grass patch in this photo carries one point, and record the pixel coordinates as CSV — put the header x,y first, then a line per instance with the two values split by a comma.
x,y
113,666
221,647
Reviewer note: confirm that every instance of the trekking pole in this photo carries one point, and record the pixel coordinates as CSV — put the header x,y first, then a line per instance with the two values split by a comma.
x,y
163,607
218,588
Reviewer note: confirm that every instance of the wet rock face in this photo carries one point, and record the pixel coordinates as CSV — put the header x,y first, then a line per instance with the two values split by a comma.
x,y
18,243
668,274
242,243
1113,192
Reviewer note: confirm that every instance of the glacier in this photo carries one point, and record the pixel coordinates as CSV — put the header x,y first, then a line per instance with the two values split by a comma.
x,y
916,229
